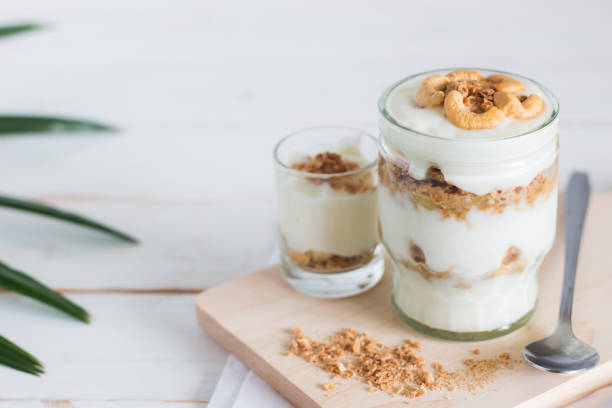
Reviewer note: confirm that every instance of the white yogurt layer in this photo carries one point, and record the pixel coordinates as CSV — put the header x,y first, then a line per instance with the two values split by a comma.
x,y
319,218
473,247
488,305
487,151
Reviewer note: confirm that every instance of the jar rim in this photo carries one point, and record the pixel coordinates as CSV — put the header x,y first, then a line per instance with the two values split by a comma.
x,y
382,106
371,164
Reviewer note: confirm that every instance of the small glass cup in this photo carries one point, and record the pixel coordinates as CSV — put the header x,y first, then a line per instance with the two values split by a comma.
x,y
328,218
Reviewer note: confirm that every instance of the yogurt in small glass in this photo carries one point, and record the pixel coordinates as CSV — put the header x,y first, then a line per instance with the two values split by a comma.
x,y
326,181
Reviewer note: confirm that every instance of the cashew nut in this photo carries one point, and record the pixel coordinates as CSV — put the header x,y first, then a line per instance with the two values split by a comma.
x,y
532,106
505,83
461,117
507,102
512,106
464,74
431,91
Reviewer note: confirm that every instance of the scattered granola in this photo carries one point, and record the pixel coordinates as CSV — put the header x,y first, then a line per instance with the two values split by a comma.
x,y
395,370
328,163
414,343
482,372
434,192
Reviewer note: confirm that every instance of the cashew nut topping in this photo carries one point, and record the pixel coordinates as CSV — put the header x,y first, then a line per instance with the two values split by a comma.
x,y
532,106
431,91
464,74
461,117
505,83
523,108
488,101
507,102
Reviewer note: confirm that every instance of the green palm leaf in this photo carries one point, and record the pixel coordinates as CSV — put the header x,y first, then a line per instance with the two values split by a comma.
x,y
53,212
17,28
16,281
11,355
14,124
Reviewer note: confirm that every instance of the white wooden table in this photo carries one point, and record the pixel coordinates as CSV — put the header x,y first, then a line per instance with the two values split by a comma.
x,y
201,91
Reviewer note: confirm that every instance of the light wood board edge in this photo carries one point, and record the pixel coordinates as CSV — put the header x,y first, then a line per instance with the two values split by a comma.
x,y
573,389
252,359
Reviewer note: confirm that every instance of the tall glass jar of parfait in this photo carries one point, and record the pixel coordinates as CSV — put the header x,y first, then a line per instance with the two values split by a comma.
x,y
467,198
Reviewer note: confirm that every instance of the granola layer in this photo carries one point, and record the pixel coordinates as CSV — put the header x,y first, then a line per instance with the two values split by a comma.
x,y
327,262
417,262
435,193
513,262
333,164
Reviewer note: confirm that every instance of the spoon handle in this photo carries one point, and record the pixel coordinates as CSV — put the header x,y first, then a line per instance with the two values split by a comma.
x,y
576,203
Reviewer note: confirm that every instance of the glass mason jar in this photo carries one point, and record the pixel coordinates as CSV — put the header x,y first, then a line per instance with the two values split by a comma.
x,y
466,222
327,217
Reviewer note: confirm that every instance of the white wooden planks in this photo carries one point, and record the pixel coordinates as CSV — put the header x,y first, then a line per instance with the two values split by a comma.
x,y
137,347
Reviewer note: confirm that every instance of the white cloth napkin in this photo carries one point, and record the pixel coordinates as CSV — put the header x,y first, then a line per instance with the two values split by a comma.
x,y
239,387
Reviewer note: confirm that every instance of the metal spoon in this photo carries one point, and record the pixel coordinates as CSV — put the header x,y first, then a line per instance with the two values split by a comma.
x,y
563,352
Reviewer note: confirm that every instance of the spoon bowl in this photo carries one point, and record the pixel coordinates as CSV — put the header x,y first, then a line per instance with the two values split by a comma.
x,y
561,354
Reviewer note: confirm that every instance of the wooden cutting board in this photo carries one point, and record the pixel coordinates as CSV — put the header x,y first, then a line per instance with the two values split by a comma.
x,y
252,317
